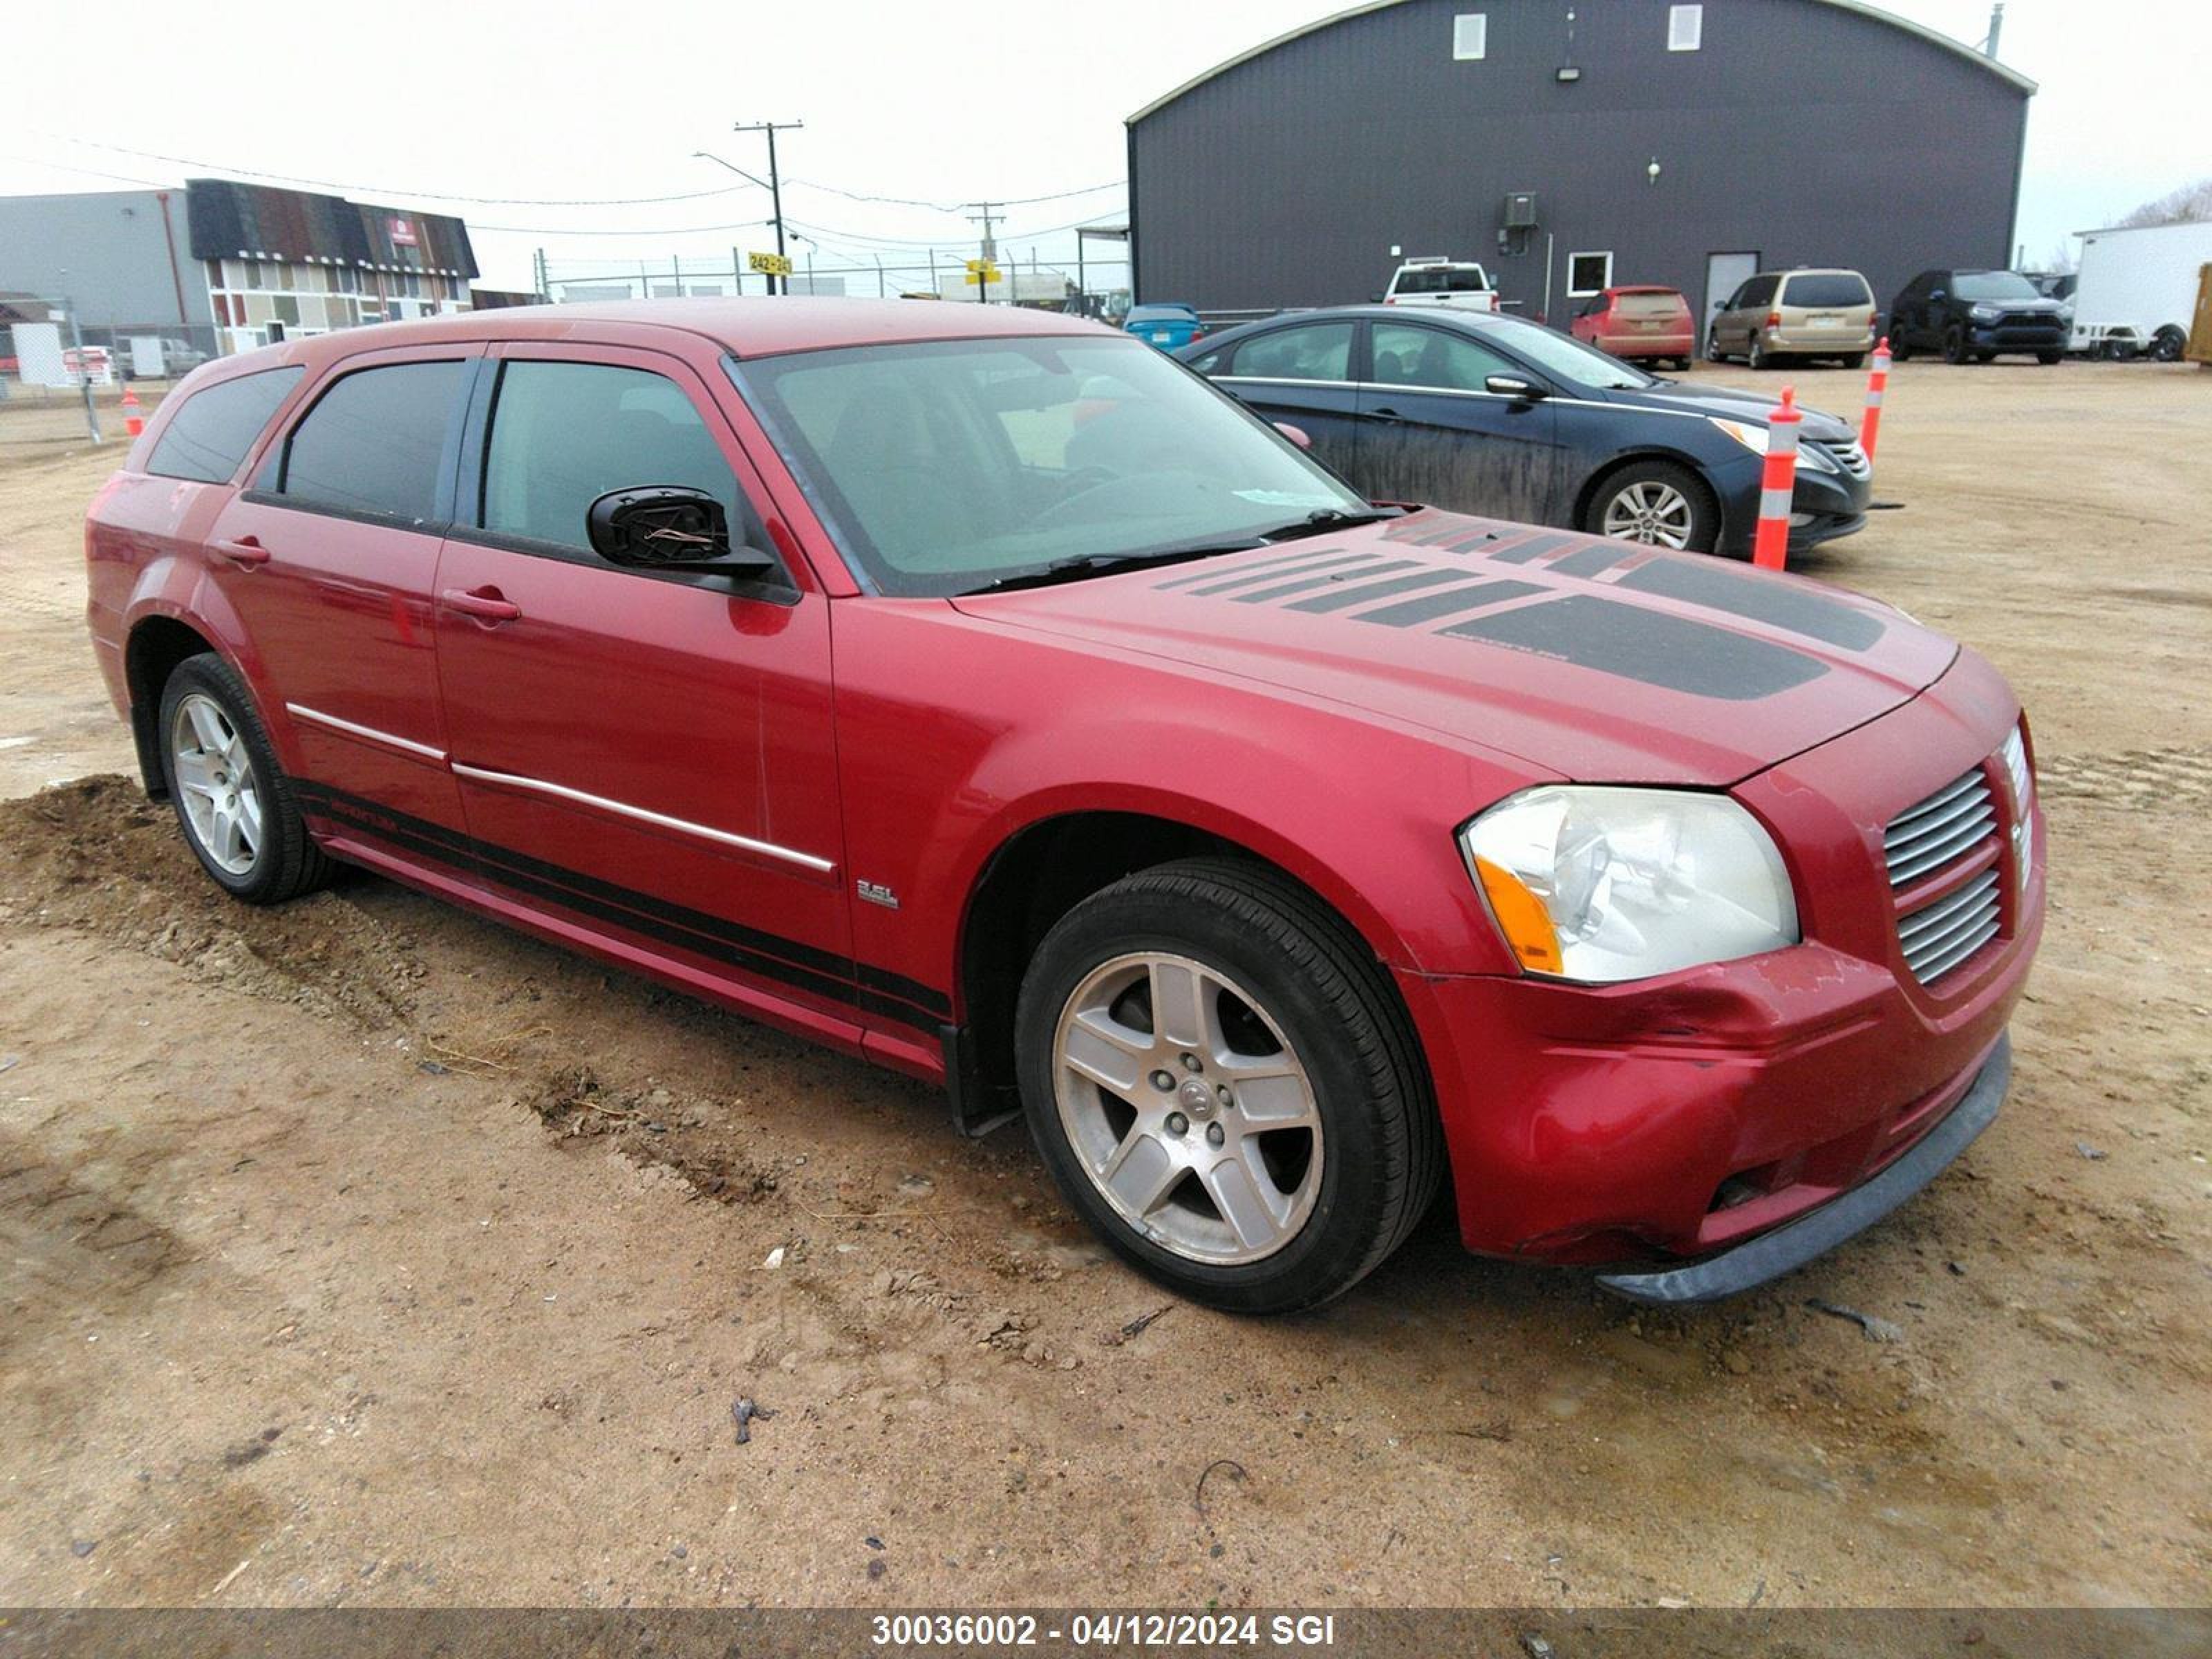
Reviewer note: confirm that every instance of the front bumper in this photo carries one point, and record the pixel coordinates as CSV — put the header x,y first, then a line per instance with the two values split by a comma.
x,y
1822,506
1997,338
1769,1256
1683,1116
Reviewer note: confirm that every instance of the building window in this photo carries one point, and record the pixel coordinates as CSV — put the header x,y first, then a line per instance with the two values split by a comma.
x,y
1589,273
1686,27
1470,34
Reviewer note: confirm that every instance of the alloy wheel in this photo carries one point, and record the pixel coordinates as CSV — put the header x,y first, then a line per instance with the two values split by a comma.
x,y
213,774
1188,1107
1650,510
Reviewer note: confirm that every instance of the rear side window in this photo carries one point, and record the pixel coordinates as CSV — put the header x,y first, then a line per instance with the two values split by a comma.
x,y
1840,288
1429,358
563,434
1442,279
208,437
1759,291
374,442
1318,351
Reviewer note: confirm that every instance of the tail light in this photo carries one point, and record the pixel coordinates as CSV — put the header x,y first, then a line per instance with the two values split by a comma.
x,y
1774,319
1196,335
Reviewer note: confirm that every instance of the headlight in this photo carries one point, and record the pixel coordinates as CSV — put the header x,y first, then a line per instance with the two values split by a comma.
x,y
2022,781
1812,459
1985,314
1749,434
1600,885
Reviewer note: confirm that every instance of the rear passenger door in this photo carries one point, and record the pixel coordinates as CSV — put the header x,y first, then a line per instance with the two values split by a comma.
x,y
651,752
327,561
1431,431
1305,374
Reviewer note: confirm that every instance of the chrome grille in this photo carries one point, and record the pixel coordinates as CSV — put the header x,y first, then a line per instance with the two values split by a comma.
x,y
1939,936
1930,834
1849,456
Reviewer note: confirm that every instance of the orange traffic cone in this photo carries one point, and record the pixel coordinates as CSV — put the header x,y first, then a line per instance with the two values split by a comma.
x,y
133,422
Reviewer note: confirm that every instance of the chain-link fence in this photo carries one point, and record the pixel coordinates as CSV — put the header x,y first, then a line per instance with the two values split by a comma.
x,y
44,358
1092,287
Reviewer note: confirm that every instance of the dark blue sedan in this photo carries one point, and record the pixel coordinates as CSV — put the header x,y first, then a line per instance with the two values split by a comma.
x,y
1494,414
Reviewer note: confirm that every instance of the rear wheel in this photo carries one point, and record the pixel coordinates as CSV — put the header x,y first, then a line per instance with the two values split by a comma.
x,y
232,800
1760,358
2165,346
1220,1079
1657,502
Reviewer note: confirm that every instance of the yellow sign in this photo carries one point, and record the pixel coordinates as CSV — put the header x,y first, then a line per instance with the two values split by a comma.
x,y
771,264
980,272
982,265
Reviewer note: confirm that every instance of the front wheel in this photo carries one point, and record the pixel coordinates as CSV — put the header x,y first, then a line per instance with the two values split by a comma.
x,y
1955,345
2047,358
1713,346
232,800
1856,359
1222,1082
1658,503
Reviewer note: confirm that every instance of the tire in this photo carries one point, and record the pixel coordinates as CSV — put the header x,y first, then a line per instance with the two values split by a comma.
x,y
1954,344
1760,358
1899,349
1661,498
2167,345
1362,1164
208,727
1713,346
1856,359
2047,358
1985,356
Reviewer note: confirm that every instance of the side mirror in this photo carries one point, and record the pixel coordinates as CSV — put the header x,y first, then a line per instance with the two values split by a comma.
x,y
1374,299
668,528
1935,292
1297,434
1513,386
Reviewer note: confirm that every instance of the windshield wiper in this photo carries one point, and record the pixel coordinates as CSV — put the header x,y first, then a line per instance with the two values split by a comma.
x,y
1330,518
1105,564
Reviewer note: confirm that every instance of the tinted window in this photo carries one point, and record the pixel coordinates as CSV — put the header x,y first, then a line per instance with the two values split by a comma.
x,y
1759,291
1318,351
1430,356
208,436
1998,285
1442,279
373,443
1841,288
563,434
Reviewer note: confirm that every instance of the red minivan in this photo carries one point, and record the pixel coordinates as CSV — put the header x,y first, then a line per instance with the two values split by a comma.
x,y
1639,324
981,693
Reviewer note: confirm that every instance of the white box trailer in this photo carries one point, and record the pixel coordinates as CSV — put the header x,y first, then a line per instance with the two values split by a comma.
x,y
2138,287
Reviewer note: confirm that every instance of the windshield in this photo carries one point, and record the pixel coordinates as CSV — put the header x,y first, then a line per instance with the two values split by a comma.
x,y
1442,279
944,465
1827,289
1995,285
1566,357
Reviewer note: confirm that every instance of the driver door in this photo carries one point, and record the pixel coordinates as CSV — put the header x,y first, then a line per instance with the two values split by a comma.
x,y
651,751
1431,431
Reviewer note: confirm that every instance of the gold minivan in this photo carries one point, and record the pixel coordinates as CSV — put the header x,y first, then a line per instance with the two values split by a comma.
x,y
1779,314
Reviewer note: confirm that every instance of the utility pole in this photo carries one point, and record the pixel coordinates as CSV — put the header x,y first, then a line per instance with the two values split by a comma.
x,y
986,214
774,179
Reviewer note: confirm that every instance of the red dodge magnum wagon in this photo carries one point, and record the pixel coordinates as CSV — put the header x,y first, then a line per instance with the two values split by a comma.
x,y
981,693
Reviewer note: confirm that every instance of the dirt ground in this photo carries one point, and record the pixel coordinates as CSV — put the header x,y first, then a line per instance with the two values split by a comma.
x,y
363,1252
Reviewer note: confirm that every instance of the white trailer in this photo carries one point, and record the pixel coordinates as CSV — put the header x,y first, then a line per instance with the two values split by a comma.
x,y
2138,287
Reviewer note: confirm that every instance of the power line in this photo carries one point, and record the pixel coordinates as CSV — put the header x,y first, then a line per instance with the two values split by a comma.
x,y
679,230
955,207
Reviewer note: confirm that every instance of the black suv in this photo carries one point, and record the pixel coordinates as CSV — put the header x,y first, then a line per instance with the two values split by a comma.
x,y
1976,314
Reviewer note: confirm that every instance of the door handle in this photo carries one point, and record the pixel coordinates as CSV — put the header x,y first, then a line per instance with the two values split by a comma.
x,y
1387,415
485,603
245,550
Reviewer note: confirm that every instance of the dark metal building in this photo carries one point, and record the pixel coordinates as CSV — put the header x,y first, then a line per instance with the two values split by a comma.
x,y
1656,142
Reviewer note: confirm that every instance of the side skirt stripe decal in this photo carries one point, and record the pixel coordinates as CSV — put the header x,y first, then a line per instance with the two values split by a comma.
x,y
832,977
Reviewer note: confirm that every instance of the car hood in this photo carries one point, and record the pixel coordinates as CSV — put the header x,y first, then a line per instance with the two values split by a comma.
x,y
1731,405
1603,661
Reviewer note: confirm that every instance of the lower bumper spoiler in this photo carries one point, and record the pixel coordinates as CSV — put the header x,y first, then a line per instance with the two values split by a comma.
x,y
1757,1260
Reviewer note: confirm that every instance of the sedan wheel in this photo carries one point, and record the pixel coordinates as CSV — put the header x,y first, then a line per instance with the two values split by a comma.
x,y
216,789
232,799
1225,1086
1650,510
1189,1111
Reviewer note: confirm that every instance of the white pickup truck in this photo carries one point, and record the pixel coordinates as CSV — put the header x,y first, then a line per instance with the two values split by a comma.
x,y
1460,284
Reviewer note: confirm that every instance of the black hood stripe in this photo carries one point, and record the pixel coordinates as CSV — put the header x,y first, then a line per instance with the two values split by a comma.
x,y
1595,560
1345,598
1648,646
1430,606
1284,590
1328,560
1248,568
1778,604
1534,547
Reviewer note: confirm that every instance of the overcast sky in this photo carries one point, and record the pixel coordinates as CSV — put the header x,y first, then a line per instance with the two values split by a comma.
x,y
941,103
